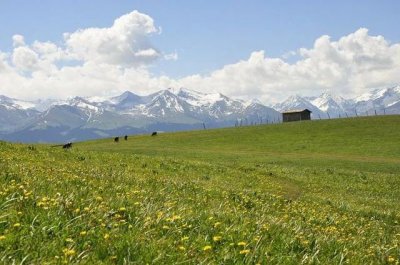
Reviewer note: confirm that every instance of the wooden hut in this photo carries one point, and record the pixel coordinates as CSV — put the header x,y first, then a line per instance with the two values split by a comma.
x,y
296,115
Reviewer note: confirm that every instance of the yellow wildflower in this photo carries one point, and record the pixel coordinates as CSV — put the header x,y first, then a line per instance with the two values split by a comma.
x,y
244,251
217,238
181,248
83,233
2,237
17,225
242,243
69,252
207,248
106,236
122,209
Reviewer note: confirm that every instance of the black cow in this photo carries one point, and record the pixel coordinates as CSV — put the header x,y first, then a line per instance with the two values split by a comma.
x,y
116,139
126,137
154,134
67,146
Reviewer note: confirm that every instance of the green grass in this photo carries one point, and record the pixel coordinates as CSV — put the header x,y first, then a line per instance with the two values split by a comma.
x,y
307,192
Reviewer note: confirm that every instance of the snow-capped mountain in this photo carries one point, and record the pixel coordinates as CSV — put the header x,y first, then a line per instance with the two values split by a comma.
x,y
15,113
381,101
297,103
81,118
385,100
327,102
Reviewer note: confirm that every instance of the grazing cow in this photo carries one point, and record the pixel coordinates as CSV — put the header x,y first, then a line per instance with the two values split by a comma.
x,y
116,139
67,146
126,137
154,134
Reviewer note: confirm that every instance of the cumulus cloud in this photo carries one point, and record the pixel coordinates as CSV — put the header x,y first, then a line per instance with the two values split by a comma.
x,y
353,64
108,61
18,40
25,59
124,43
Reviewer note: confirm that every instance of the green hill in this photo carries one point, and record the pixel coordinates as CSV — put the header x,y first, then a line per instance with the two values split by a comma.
x,y
313,192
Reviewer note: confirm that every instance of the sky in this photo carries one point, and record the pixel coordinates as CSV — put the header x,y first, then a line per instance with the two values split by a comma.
x,y
260,49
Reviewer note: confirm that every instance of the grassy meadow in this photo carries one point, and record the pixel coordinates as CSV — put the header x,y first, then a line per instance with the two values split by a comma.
x,y
312,192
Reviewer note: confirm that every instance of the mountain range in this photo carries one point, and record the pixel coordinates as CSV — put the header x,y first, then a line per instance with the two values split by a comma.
x,y
80,118
376,102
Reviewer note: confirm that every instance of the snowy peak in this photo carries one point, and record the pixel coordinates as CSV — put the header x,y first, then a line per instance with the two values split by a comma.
x,y
12,103
330,103
295,102
385,100
383,94
82,103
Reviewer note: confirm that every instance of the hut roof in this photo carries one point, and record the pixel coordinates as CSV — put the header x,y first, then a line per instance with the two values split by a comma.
x,y
297,111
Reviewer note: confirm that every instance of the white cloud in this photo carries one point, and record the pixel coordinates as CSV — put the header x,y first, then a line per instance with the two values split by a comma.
x,y
171,56
351,65
107,61
18,40
124,43
25,59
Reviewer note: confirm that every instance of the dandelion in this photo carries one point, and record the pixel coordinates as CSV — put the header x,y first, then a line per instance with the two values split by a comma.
x,y
2,237
69,252
244,251
106,236
19,213
122,209
207,248
217,238
242,243
83,233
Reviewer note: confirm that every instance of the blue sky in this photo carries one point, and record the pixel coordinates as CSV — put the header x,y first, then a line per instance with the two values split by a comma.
x,y
206,35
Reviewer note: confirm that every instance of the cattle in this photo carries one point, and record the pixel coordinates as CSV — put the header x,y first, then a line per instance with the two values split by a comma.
x,y
126,137
116,139
154,134
67,146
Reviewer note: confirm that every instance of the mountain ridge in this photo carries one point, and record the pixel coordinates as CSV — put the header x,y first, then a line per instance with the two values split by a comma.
x,y
168,110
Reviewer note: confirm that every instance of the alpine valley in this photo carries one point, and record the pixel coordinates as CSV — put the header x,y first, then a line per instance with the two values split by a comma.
x,y
79,118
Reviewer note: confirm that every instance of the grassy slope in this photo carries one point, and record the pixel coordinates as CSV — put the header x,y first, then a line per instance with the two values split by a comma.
x,y
323,191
